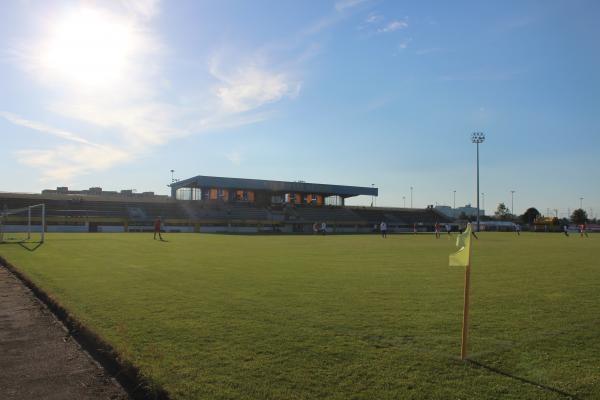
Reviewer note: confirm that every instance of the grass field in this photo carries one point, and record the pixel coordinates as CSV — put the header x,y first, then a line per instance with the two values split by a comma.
x,y
336,317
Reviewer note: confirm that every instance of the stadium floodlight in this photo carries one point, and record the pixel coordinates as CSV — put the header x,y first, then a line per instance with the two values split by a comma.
x,y
581,203
512,202
372,196
17,225
411,197
454,199
477,138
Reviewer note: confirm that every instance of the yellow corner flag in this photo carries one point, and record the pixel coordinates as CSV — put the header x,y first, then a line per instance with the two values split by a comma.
x,y
462,257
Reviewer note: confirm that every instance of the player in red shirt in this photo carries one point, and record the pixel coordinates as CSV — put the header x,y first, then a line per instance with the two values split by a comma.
x,y
157,226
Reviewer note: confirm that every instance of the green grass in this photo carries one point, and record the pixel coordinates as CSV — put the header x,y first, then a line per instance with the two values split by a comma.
x,y
336,317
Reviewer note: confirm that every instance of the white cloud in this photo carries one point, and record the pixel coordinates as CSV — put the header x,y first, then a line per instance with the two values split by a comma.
x,y
251,87
342,5
125,115
321,24
67,161
17,120
393,26
146,123
373,18
144,8
404,43
63,162
234,157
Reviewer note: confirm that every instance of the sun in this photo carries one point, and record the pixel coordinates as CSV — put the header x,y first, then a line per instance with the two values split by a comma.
x,y
89,47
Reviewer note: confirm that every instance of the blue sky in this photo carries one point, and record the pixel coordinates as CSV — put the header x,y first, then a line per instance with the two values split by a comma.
x,y
118,93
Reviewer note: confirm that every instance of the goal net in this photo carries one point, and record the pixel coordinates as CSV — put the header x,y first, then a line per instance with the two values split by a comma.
x,y
23,224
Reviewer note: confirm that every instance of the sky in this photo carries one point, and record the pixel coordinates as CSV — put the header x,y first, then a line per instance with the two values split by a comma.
x,y
357,92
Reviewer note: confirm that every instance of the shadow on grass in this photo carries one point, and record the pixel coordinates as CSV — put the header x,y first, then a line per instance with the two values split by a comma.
x,y
478,364
29,246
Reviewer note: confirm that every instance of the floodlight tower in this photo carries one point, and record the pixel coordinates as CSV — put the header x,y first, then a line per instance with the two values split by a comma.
x,y
454,199
512,202
581,203
477,138
404,201
411,197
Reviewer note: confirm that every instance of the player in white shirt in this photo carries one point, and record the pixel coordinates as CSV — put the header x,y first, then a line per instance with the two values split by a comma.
x,y
383,229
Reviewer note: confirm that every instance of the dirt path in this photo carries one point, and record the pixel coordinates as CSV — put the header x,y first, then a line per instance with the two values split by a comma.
x,y
38,360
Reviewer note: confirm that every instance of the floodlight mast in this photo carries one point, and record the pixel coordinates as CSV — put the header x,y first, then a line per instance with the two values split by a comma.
x,y
512,202
477,138
372,196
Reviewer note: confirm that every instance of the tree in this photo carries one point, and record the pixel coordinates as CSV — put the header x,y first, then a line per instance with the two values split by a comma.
x,y
563,221
502,212
579,216
530,215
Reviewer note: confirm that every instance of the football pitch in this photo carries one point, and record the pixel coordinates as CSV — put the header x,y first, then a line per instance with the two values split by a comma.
x,y
334,317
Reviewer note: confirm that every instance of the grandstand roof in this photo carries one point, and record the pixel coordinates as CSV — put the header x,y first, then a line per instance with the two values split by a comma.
x,y
272,186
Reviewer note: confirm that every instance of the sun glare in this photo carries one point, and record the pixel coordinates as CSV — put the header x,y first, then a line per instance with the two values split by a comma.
x,y
89,48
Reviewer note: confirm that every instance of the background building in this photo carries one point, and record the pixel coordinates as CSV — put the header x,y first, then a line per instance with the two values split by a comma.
x,y
454,213
219,204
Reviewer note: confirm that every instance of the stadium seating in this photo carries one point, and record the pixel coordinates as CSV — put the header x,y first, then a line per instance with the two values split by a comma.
x,y
62,209
328,214
401,216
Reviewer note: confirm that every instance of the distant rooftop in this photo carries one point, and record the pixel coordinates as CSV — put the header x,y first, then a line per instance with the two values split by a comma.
x,y
98,191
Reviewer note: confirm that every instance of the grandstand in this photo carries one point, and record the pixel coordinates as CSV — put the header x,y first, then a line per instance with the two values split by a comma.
x,y
214,204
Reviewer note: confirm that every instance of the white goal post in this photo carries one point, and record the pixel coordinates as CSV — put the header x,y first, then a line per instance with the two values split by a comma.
x,y
22,224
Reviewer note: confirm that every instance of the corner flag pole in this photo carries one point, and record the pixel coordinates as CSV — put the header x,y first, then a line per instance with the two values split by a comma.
x,y
462,258
465,323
